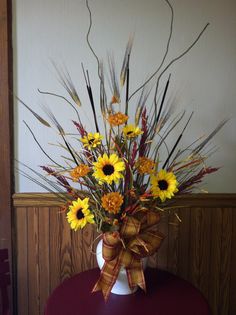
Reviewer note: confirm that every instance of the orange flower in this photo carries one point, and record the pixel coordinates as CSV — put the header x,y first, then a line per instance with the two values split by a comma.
x,y
112,202
145,165
117,119
79,171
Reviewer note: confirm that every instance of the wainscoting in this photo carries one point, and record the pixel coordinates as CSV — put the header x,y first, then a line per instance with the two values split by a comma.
x,y
200,249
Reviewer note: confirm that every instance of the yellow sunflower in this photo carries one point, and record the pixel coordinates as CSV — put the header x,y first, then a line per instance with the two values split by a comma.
x,y
131,131
112,202
117,119
108,168
79,171
144,165
163,185
92,140
79,214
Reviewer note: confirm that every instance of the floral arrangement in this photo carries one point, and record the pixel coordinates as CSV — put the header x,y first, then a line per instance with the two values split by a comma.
x,y
116,177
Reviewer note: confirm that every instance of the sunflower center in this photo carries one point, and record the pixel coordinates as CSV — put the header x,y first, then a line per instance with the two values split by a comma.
x,y
91,141
129,132
163,185
79,214
108,169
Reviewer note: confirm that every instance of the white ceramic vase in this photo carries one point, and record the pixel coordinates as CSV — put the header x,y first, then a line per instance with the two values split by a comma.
x,y
121,285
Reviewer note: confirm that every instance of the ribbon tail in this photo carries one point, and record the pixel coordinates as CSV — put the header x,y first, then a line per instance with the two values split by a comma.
x,y
107,279
135,275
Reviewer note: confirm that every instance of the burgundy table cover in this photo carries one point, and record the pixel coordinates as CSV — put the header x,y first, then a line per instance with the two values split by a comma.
x,y
166,295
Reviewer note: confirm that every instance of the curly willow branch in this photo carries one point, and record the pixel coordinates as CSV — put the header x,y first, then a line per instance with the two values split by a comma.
x,y
171,62
87,38
167,48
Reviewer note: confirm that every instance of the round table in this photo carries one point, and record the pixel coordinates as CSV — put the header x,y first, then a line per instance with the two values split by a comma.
x,y
166,295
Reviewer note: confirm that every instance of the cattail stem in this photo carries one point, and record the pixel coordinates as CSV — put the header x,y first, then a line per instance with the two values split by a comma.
x,y
177,142
90,97
163,99
127,87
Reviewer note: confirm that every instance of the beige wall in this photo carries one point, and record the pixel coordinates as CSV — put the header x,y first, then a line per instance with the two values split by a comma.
x,y
203,81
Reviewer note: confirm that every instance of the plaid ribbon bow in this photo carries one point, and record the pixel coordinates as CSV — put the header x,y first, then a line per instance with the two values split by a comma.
x,y
136,240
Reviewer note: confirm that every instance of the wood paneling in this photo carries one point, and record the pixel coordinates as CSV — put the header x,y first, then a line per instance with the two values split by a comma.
x,y
22,260
200,249
6,131
43,258
215,255
232,298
